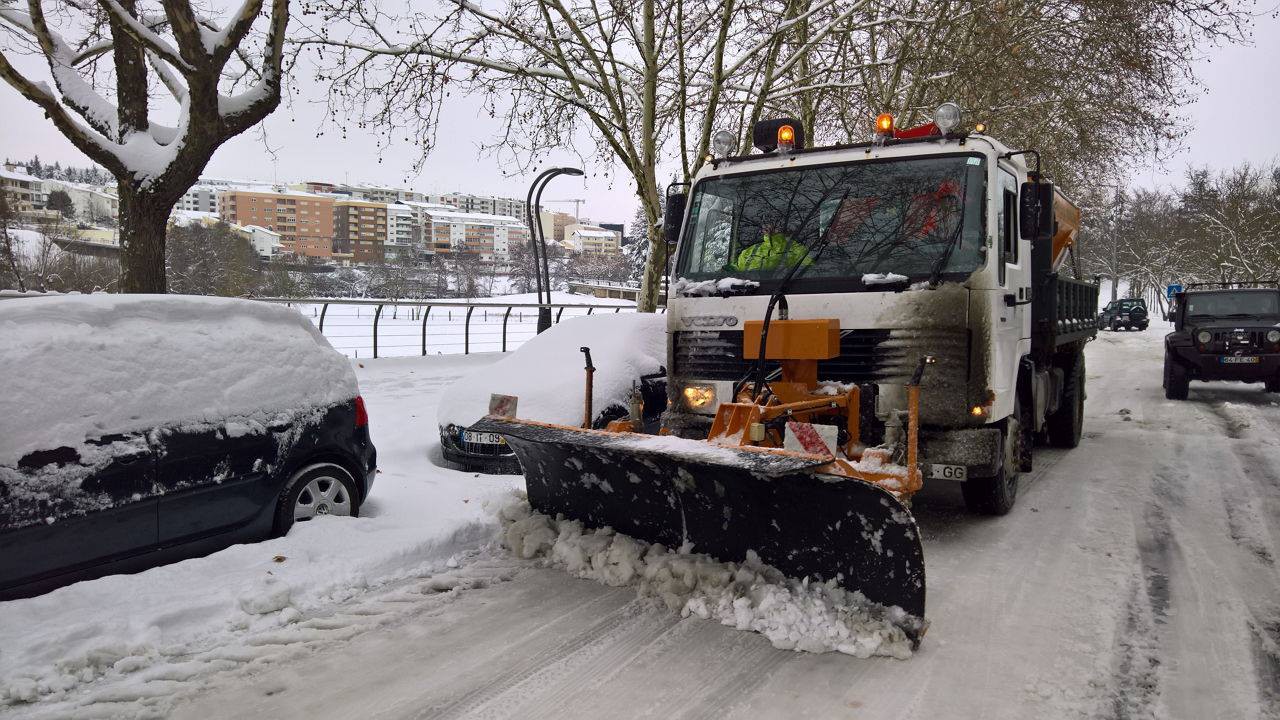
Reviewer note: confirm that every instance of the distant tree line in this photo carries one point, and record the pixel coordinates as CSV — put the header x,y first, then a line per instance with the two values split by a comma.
x,y
1217,226
89,175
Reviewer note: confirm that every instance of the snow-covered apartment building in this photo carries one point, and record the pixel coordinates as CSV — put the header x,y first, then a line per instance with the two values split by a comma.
x,y
583,238
24,192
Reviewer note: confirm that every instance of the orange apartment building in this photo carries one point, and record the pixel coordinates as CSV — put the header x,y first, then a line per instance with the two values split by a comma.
x,y
305,222
360,230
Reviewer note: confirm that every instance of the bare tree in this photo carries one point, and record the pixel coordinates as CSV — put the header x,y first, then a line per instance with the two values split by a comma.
x,y
221,84
7,245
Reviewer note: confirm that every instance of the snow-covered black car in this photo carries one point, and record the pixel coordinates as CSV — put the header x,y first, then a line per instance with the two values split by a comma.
x,y
546,375
1223,334
1130,314
136,430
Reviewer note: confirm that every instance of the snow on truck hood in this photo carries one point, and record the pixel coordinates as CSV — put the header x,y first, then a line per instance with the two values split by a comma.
x,y
82,366
547,375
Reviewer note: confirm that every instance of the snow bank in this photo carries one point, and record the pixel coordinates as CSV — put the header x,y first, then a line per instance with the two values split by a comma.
x,y
546,373
793,614
80,366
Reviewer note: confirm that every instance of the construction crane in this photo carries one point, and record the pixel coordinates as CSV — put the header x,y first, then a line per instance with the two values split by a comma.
x,y
577,204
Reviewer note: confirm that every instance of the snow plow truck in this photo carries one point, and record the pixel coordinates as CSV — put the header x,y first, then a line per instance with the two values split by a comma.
x,y
845,323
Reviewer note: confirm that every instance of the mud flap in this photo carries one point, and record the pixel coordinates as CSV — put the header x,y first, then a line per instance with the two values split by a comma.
x,y
726,501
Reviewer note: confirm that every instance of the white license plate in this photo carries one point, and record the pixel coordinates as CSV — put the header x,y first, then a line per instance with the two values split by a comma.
x,y
1243,360
948,472
483,438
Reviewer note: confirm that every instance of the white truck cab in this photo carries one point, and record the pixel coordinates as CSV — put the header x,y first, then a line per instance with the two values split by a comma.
x,y
914,244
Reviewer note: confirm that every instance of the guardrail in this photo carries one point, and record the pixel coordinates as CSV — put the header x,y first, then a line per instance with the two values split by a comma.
x,y
399,328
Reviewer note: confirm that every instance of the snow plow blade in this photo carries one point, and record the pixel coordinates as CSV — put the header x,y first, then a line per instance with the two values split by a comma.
x,y
727,501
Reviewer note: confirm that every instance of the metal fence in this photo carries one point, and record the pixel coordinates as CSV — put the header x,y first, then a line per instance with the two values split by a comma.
x,y
399,328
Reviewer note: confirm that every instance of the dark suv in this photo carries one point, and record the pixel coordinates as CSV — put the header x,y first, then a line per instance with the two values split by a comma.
x,y
136,430
1223,333
1130,313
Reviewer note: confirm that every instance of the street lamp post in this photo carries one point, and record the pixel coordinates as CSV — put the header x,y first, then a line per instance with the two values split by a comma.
x,y
541,271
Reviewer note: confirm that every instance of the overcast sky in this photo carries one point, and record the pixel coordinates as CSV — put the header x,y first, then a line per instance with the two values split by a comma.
x,y
1236,119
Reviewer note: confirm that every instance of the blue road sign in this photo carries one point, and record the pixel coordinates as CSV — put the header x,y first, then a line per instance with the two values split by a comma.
x,y
1173,290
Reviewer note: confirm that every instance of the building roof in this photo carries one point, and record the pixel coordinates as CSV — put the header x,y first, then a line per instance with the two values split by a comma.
x,y
477,218
17,175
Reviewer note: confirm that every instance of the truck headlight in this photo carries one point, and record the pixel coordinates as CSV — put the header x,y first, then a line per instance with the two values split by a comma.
x,y
697,397
1204,337
1273,336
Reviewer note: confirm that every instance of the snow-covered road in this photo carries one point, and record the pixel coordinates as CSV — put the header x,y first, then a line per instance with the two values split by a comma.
x,y
1136,578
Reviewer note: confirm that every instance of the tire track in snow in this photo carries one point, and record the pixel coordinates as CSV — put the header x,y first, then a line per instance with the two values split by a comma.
x,y
1266,656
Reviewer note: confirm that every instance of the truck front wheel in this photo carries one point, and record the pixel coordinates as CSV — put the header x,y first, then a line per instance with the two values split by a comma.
x,y
996,495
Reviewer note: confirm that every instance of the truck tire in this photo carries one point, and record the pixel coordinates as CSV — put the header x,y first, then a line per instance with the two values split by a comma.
x,y
996,495
1176,383
1273,385
1066,424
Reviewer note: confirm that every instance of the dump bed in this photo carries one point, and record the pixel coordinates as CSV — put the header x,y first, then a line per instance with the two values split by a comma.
x,y
1063,311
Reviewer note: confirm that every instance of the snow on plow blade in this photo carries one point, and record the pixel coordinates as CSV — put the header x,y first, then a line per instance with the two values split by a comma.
x,y
726,501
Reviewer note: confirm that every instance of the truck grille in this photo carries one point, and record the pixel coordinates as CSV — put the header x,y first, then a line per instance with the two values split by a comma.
x,y
717,355
1228,340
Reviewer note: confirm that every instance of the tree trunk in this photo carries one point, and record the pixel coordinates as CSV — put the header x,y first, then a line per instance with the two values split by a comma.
x,y
144,218
656,264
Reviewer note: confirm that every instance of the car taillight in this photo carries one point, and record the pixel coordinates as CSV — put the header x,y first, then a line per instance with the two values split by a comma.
x,y
362,416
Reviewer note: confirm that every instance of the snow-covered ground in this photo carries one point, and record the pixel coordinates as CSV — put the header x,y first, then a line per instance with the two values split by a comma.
x,y
1136,578
349,328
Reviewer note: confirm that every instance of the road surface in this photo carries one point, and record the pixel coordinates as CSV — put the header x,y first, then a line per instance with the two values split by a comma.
x,y
1136,578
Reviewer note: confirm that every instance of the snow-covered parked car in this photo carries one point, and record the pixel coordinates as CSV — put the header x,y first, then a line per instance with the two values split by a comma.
x,y
547,376
135,430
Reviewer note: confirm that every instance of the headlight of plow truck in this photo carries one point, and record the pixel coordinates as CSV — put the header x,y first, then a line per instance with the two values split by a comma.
x,y
699,397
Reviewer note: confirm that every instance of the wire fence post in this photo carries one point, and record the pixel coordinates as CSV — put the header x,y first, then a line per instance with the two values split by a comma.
x,y
466,332
505,316
589,310
425,315
559,313
376,314
323,309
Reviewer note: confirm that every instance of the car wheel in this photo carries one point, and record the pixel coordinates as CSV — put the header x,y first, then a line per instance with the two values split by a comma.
x,y
996,495
1115,327
1065,425
1176,383
324,489
1273,385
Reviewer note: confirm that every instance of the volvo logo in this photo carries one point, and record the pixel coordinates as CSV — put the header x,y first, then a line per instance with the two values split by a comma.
x,y
709,321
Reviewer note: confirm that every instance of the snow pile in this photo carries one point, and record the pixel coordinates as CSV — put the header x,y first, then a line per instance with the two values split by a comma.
x,y
547,376
703,288
793,614
94,364
883,279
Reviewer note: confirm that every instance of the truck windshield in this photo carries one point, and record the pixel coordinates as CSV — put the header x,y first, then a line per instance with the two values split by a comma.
x,y
889,221
1227,304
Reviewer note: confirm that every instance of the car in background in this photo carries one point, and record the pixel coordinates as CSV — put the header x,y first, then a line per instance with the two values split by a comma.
x,y
1222,331
1130,314
547,377
138,430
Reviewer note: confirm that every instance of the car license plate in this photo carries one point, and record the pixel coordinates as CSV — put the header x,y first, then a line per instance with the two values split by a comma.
x,y
1240,360
483,438
948,472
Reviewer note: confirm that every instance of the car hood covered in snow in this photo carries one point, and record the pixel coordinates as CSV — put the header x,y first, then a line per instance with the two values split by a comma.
x,y
82,366
546,373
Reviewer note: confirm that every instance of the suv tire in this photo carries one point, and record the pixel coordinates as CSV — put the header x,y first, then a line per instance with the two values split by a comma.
x,y
1176,383
1066,424
1273,385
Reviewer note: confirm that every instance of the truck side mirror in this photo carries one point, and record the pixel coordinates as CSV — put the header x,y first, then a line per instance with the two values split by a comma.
x,y
1035,211
672,217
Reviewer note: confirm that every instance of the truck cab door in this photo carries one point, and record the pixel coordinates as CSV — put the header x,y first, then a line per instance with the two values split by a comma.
x,y
1011,331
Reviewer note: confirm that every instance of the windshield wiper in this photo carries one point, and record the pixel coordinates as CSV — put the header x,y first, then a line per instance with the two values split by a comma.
x,y
953,241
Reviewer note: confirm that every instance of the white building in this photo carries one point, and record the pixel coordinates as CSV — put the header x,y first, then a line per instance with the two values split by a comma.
x,y
25,192
400,221
580,237
92,204
483,234
265,242
488,205
201,198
